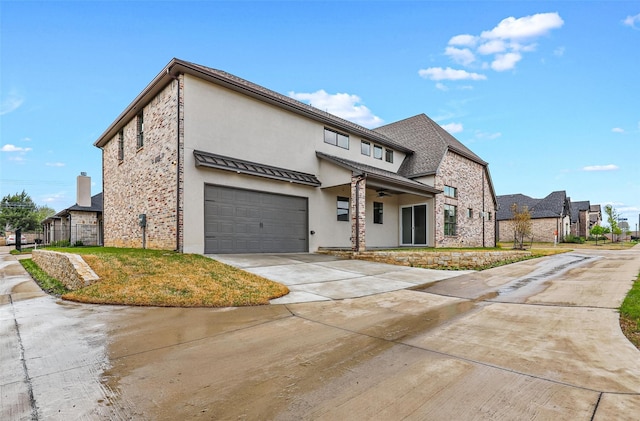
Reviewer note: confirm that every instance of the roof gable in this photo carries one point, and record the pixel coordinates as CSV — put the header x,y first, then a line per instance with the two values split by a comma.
x,y
429,141
552,206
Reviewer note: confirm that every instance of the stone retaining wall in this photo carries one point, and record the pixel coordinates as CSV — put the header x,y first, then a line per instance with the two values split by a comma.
x,y
70,269
434,259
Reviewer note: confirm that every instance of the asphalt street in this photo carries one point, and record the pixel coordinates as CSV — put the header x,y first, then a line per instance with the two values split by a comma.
x,y
539,340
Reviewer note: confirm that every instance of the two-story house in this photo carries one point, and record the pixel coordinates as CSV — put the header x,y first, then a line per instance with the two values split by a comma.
x,y
203,161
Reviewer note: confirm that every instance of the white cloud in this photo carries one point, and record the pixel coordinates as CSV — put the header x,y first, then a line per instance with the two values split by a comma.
x,y
489,136
609,167
55,164
438,73
453,127
617,130
504,62
441,86
12,102
342,105
17,158
464,40
463,56
525,27
12,148
492,47
505,43
632,21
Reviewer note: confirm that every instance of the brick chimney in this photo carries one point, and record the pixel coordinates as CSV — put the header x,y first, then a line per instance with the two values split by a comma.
x,y
83,197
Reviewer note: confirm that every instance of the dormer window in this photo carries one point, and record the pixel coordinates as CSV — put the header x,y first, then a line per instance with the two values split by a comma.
x,y
365,148
336,139
388,155
377,152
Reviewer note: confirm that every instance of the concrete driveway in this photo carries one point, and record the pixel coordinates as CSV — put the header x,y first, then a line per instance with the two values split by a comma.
x,y
534,340
318,277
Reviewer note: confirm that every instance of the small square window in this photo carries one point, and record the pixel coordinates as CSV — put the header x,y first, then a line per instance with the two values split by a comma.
x,y
343,208
388,156
377,212
377,152
365,148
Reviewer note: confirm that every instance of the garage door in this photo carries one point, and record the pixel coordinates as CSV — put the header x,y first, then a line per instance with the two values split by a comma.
x,y
247,221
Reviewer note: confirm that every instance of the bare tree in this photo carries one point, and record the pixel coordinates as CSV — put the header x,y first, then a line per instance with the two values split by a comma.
x,y
521,225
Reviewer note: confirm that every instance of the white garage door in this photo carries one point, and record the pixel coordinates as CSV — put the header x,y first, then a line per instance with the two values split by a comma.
x,y
248,221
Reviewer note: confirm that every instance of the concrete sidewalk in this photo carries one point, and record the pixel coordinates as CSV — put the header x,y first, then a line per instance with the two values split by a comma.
x,y
318,277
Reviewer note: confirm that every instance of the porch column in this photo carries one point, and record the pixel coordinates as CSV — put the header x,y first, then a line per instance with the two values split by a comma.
x,y
358,215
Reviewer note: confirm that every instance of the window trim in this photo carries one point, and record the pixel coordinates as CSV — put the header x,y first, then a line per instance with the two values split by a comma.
x,y
378,213
450,222
342,216
362,146
375,149
140,130
450,189
336,140
121,145
388,155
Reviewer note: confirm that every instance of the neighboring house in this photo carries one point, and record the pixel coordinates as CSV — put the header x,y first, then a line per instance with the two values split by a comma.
x,y
580,217
550,216
80,223
595,216
211,163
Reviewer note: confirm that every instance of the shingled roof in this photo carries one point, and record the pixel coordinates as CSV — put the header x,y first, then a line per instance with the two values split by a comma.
x,y
429,141
551,206
577,207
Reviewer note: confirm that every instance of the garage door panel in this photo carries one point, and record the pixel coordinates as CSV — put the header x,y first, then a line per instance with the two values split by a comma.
x,y
245,221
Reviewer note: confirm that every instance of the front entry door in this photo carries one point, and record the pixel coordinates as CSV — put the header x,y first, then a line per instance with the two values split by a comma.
x,y
414,225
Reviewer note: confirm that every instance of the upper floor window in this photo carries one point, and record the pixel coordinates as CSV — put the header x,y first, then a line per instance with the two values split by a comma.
x,y
140,131
489,216
377,212
343,208
336,139
377,152
388,155
470,213
120,146
365,148
450,191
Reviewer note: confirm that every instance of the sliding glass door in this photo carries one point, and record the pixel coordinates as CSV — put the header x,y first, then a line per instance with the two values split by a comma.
x,y
414,225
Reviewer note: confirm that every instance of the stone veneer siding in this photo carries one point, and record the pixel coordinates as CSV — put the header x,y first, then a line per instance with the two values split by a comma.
x,y
434,259
358,216
145,181
467,177
84,228
70,269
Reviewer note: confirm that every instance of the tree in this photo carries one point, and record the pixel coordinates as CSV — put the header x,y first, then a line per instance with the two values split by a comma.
x,y
18,211
612,219
597,231
521,225
43,212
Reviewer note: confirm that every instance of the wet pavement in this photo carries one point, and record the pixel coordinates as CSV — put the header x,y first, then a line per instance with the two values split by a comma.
x,y
534,340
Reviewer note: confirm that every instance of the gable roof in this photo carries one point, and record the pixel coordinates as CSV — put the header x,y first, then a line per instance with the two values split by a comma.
x,y
429,141
96,206
235,83
551,206
577,207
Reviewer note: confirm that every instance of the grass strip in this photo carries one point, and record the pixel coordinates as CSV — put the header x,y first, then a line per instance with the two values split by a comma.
x,y
144,277
46,282
630,314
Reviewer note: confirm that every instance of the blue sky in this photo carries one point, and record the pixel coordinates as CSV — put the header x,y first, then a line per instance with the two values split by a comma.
x,y
547,92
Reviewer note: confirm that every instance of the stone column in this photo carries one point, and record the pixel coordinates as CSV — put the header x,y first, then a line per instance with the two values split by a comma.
x,y
358,215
